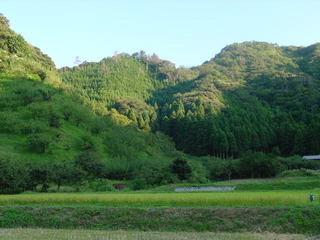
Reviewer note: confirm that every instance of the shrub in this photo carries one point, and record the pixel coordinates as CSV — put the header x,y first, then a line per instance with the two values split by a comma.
x,y
181,168
33,127
299,173
154,175
100,185
13,175
40,174
41,74
64,173
139,183
259,164
54,120
38,143
64,189
89,161
297,162
88,143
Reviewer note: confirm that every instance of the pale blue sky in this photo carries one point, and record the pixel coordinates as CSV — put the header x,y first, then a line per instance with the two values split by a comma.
x,y
186,32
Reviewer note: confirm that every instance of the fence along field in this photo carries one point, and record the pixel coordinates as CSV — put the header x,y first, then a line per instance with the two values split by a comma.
x,y
199,199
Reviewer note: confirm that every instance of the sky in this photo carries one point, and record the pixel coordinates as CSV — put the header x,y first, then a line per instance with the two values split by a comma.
x,y
185,32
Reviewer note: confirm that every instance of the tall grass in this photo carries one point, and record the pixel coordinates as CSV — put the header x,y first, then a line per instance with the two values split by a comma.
x,y
220,199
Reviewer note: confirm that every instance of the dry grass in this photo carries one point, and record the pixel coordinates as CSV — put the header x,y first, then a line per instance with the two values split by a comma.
x,y
45,234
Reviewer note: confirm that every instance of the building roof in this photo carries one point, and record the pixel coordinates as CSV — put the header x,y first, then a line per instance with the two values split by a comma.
x,y
312,157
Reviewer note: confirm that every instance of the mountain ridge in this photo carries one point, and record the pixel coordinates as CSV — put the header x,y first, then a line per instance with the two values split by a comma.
x,y
260,72
138,118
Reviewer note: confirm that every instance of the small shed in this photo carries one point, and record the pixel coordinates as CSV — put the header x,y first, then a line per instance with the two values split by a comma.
x,y
312,157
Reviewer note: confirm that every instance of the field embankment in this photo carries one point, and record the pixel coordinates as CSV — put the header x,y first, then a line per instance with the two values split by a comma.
x,y
279,220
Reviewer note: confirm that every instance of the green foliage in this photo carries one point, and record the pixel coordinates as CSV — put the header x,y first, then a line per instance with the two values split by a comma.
x,y
154,176
19,57
159,223
40,174
89,162
65,173
255,164
229,105
13,174
139,183
111,79
100,185
252,96
300,173
181,168
38,143
103,119
258,164
41,123
297,162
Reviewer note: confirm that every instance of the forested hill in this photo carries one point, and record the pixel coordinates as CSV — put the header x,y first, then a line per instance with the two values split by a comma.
x,y
251,96
107,120
257,96
48,136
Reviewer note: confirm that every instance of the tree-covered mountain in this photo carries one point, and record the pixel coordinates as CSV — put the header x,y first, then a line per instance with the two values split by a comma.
x,y
253,104
255,96
48,135
251,96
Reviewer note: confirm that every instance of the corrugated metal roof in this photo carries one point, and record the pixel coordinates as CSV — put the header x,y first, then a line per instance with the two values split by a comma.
x,y
312,157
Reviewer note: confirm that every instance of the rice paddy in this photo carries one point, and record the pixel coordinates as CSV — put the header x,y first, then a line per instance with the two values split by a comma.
x,y
115,215
212,199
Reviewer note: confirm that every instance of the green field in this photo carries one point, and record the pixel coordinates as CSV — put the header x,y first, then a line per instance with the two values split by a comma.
x,y
298,220
252,211
200,199
262,184
37,234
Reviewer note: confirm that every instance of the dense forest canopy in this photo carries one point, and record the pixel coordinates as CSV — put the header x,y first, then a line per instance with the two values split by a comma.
x,y
244,113
251,96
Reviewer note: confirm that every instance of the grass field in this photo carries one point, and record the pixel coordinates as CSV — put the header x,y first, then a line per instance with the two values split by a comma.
x,y
299,220
262,184
243,211
212,199
40,234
